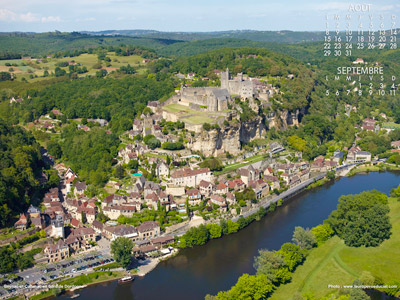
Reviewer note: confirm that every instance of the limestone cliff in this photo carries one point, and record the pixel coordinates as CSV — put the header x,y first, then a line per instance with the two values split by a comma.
x,y
284,119
227,139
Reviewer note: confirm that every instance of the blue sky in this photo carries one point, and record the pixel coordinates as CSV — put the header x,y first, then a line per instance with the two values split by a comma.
x,y
177,15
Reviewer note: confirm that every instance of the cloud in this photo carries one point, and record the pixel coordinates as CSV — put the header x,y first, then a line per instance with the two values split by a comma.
x,y
28,17
7,15
51,19
10,16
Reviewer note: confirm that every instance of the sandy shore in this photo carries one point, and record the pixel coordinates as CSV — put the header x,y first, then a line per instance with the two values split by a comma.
x,y
149,264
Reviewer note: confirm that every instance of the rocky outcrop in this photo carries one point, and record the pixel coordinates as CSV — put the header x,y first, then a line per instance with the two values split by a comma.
x,y
284,119
227,139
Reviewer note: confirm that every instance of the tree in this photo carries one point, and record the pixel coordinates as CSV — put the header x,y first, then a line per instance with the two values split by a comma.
x,y
121,249
54,149
331,175
83,216
215,230
5,76
214,164
151,141
297,143
304,238
58,72
292,255
172,146
358,294
232,226
42,233
268,263
119,172
194,236
102,217
133,164
187,207
101,73
207,126
249,287
322,233
362,219
249,194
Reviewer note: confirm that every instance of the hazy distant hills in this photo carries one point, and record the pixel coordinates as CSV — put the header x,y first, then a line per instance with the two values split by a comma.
x,y
299,44
284,36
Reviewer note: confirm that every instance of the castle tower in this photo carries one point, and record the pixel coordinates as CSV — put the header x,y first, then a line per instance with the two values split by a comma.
x,y
225,79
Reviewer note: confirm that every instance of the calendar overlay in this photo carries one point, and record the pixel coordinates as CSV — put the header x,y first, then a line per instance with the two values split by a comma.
x,y
360,30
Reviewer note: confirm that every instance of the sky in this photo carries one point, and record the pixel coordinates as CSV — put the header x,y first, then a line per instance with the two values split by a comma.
x,y
180,15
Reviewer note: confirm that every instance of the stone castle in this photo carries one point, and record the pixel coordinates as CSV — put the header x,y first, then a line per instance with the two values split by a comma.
x,y
238,86
211,98
216,99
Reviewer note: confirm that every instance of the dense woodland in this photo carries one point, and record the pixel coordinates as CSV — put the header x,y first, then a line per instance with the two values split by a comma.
x,y
20,168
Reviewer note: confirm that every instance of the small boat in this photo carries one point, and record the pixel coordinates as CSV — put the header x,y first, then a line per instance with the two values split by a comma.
x,y
74,296
126,279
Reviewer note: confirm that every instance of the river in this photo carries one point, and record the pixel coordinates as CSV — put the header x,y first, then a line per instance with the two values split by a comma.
x,y
216,266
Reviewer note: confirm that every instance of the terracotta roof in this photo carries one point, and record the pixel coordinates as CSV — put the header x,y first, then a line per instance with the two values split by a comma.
x,y
75,222
221,186
98,224
82,231
163,239
204,183
147,226
121,230
193,192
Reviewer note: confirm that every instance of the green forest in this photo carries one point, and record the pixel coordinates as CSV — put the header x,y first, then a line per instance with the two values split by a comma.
x,y
20,168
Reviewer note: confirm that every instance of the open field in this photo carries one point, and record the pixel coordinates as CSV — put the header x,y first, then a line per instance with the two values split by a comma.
x,y
198,119
195,117
335,263
178,108
30,68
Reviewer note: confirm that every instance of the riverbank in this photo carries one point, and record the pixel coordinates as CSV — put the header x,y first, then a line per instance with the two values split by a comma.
x,y
148,265
366,168
335,264
82,281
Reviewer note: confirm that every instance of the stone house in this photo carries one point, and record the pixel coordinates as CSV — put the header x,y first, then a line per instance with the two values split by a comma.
x,y
148,230
22,223
189,177
114,232
56,252
162,169
206,188
113,212
194,196
248,174
221,189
